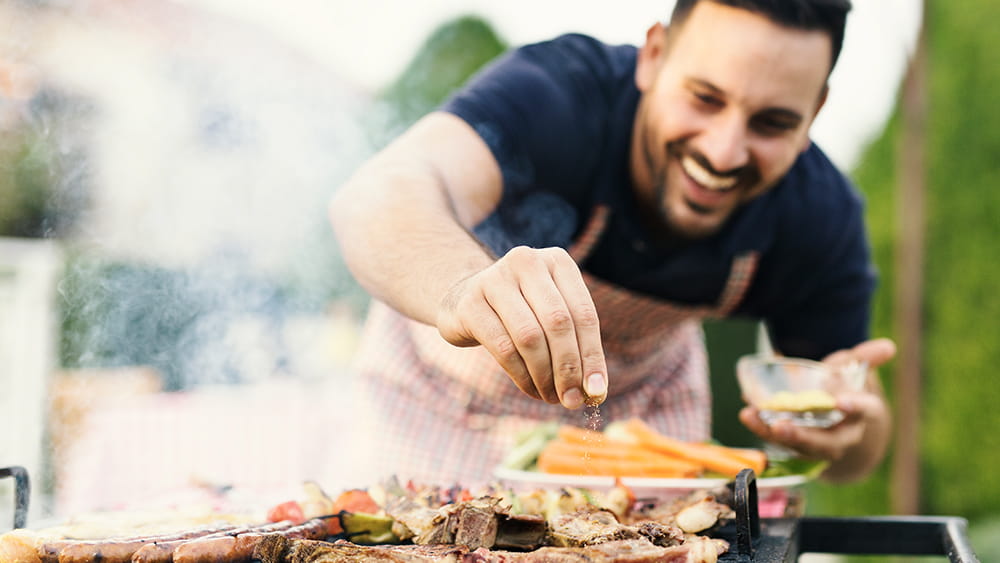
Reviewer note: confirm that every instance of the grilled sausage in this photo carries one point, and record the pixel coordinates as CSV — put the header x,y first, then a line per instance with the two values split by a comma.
x,y
207,550
311,529
48,552
239,549
163,551
115,550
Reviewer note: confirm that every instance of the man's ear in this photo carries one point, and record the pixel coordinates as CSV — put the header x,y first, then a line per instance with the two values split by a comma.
x,y
819,105
651,56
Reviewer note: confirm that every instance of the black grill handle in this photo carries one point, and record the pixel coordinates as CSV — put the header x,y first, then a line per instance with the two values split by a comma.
x,y
888,535
22,490
747,517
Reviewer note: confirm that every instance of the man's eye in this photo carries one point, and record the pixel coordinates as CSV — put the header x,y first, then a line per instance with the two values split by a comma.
x,y
771,126
708,100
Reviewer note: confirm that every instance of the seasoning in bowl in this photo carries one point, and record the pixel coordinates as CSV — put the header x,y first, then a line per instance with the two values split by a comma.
x,y
796,389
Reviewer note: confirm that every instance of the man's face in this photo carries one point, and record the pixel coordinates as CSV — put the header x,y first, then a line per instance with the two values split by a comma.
x,y
727,101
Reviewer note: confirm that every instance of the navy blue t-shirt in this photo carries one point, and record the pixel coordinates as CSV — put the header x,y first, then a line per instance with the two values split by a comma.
x,y
558,117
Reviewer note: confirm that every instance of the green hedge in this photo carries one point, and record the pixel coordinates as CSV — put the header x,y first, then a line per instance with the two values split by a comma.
x,y
961,437
960,428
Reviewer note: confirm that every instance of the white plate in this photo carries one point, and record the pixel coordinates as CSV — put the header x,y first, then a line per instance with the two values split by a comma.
x,y
670,487
776,496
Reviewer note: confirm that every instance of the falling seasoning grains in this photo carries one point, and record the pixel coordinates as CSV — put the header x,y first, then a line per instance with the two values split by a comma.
x,y
592,416
592,421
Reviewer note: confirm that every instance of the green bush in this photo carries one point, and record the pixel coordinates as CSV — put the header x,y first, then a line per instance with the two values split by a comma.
x,y
960,445
453,53
43,174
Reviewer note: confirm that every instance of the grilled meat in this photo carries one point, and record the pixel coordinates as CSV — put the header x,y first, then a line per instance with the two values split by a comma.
x,y
662,535
702,515
277,549
522,532
481,522
596,526
588,526
622,551
698,512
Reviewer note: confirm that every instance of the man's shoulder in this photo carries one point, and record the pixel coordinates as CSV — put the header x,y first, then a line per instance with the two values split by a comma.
x,y
572,74
580,52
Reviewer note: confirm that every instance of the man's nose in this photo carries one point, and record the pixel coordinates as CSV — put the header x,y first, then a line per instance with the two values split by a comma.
x,y
725,143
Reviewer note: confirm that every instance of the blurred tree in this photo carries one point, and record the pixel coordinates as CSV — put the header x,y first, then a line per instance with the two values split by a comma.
x,y
43,172
960,445
452,54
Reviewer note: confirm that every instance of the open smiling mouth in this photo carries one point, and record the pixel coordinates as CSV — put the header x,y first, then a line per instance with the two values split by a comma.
x,y
704,178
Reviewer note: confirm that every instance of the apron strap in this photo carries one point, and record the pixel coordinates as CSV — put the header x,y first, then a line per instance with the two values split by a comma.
x,y
592,231
740,276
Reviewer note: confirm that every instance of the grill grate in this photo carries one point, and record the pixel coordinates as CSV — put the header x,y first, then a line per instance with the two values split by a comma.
x,y
770,540
22,491
782,540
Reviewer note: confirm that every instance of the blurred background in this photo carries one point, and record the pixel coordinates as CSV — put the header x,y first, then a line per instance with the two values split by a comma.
x,y
175,319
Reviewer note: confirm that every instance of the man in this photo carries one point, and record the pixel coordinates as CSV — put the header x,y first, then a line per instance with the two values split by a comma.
x,y
556,232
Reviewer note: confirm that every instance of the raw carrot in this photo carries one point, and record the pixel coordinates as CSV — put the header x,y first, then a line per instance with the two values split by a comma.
x,y
573,464
584,436
714,458
753,458
623,452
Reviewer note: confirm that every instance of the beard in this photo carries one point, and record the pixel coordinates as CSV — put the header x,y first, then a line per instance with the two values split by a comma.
x,y
663,218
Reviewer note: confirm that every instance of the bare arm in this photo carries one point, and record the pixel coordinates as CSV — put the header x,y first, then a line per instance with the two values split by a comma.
x,y
403,223
402,232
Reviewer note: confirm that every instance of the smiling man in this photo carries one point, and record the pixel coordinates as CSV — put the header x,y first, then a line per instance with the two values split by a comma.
x,y
556,232
725,113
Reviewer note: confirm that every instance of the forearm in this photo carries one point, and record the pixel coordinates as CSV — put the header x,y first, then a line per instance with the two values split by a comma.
x,y
400,236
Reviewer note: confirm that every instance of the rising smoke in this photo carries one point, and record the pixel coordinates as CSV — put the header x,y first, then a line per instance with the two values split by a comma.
x,y
206,153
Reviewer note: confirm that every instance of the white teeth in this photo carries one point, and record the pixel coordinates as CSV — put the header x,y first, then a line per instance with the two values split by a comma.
x,y
704,177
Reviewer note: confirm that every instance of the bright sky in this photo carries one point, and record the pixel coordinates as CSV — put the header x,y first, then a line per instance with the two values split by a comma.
x,y
370,42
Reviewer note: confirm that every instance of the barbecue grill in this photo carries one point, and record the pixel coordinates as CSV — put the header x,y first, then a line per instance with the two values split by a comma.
x,y
770,540
756,540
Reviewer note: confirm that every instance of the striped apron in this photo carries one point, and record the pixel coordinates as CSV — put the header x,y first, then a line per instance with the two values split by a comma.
x,y
439,414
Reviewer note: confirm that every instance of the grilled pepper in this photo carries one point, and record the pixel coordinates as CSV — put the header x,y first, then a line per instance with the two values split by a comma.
x,y
365,528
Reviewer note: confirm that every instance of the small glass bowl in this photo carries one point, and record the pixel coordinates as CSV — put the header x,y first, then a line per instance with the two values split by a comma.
x,y
802,391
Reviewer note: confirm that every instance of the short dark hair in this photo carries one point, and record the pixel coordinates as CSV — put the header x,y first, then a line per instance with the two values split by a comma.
x,y
829,16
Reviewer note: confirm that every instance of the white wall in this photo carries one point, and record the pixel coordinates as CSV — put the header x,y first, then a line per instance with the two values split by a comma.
x,y
28,273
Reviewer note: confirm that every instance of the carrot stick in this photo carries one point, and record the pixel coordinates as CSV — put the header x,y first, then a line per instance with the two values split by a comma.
x,y
572,464
753,458
623,452
613,457
715,458
584,436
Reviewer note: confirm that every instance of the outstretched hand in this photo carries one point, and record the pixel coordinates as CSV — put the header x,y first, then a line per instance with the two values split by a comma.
x,y
533,312
858,441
